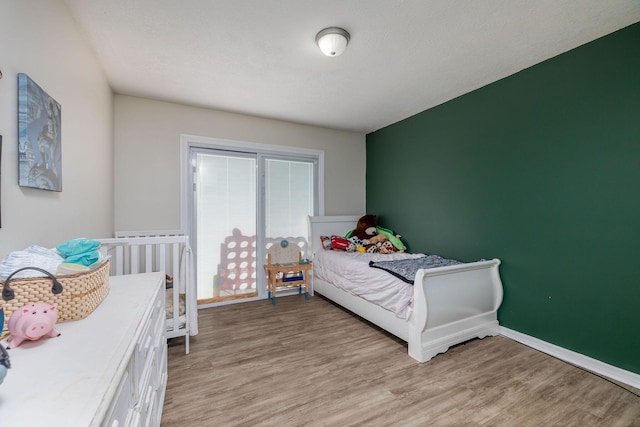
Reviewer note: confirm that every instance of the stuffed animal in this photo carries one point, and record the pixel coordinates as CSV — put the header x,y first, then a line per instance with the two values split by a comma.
x,y
32,322
378,238
365,235
366,227
369,237
387,247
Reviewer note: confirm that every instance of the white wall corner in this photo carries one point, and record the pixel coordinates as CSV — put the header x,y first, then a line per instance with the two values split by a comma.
x,y
588,363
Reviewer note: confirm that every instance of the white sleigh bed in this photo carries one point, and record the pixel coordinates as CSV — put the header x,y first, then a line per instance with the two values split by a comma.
x,y
451,304
168,252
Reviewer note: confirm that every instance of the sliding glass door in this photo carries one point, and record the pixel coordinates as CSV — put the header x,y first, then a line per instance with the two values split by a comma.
x,y
242,203
289,197
225,206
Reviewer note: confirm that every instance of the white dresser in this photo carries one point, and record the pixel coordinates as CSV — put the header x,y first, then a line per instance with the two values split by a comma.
x,y
109,369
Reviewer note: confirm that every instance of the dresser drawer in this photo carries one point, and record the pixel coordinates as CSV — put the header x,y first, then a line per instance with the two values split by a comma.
x,y
143,347
151,412
134,421
154,380
145,406
158,322
120,412
159,379
152,338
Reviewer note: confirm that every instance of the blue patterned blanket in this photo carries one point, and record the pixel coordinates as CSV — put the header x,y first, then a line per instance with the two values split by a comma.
x,y
405,269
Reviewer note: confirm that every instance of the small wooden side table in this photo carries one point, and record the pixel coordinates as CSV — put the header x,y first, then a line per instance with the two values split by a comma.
x,y
287,274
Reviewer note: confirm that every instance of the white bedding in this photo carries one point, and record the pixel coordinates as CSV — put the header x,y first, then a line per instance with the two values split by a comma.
x,y
350,271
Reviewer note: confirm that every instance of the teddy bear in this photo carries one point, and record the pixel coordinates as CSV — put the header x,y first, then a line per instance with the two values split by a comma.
x,y
366,227
365,236
369,237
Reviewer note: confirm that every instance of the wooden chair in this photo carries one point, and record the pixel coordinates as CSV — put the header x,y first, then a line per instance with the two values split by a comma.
x,y
285,267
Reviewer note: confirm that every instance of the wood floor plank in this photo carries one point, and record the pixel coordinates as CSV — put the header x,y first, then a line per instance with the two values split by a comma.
x,y
311,363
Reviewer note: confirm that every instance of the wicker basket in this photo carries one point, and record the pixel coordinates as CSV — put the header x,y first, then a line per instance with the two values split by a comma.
x,y
81,294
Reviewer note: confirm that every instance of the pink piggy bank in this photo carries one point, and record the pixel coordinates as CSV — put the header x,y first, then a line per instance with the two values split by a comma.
x,y
31,322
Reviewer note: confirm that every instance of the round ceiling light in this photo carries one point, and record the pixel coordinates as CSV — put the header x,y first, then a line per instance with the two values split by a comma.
x,y
333,41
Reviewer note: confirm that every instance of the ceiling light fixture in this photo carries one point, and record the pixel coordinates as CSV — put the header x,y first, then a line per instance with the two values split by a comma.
x,y
333,41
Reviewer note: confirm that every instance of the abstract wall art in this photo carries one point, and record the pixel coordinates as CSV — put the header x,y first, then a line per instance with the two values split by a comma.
x,y
39,137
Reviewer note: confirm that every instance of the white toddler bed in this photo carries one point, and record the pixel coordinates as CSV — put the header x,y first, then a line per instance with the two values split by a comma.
x,y
168,252
449,304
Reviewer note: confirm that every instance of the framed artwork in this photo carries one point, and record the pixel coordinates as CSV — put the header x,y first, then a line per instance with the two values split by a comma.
x,y
39,138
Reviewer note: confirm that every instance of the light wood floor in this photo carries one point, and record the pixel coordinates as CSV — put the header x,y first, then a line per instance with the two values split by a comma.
x,y
312,363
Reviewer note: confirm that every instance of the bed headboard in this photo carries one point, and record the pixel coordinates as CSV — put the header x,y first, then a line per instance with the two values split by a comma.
x,y
328,225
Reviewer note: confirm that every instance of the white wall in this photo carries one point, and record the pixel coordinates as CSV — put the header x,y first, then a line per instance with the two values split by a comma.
x,y
147,157
40,38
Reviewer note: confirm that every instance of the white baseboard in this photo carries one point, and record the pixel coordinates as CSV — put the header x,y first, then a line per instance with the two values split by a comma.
x,y
601,368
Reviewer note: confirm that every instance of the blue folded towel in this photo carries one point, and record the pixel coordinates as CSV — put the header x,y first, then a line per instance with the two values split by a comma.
x,y
77,246
81,251
86,258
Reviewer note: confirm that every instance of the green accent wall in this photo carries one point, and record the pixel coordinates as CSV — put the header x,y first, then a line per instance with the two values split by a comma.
x,y
542,170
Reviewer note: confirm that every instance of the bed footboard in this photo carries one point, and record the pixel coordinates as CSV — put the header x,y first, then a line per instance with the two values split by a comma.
x,y
453,304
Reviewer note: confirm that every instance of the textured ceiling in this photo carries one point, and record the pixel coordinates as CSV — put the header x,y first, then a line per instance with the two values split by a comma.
x,y
259,57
